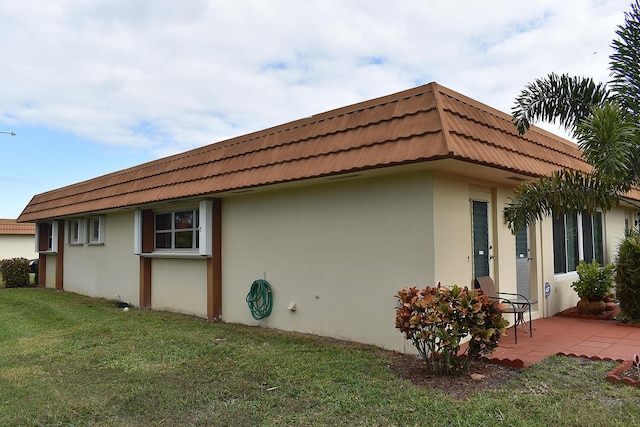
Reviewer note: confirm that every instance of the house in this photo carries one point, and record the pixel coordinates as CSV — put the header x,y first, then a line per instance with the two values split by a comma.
x,y
16,240
337,212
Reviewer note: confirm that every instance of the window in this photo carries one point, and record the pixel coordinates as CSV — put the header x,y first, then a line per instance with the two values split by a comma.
x,y
177,230
577,236
46,236
185,232
96,230
74,231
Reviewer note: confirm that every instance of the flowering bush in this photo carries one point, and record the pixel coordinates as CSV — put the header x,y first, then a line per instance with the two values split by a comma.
x,y
436,320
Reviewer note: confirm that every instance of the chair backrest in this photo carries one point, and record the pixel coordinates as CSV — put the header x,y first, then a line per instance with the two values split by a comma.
x,y
486,284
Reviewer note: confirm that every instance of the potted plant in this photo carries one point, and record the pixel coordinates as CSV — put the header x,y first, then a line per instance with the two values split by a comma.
x,y
593,285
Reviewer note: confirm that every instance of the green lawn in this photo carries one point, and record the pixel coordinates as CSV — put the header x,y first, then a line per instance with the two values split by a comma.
x,y
72,360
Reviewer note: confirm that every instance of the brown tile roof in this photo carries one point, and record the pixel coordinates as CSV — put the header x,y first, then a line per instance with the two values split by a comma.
x,y
10,226
426,123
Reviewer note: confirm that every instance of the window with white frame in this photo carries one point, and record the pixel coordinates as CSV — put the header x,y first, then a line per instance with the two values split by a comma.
x,y
177,230
74,231
180,232
577,236
96,229
46,235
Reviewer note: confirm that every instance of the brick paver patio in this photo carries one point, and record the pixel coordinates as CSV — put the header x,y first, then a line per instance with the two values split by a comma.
x,y
604,339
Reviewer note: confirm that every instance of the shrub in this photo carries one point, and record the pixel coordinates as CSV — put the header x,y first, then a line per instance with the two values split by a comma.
x,y
594,282
15,272
437,319
628,277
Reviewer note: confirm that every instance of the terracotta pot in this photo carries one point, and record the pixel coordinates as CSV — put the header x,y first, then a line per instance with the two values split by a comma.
x,y
583,306
597,307
586,306
610,305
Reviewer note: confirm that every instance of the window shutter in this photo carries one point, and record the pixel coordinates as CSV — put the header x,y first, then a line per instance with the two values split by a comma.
x,y
137,232
54,236
206,227
143,232
42,237
148,231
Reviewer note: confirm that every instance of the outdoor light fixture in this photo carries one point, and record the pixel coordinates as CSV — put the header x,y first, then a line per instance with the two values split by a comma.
x,y
9,133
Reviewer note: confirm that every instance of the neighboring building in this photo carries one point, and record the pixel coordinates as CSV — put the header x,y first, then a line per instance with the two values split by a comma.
x,y
17,240
337,211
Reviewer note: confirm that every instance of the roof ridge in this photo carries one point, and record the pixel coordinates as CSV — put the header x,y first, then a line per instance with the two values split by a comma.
x,y
435,87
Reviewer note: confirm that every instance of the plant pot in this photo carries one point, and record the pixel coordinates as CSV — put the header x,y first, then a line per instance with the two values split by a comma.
x,y
587,306
597,307
610,305
583,306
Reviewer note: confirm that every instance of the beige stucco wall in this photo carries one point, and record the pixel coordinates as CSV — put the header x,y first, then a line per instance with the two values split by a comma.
x,y
179,285
104,270
340,251
50,280
17,246
453,234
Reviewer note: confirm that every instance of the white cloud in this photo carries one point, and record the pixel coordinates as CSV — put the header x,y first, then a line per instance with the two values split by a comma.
x,y
168,76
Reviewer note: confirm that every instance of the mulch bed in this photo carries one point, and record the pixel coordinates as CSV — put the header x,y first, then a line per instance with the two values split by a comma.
x,y
482,375
573,312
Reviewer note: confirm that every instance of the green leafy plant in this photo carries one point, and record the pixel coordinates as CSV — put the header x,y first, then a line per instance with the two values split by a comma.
x,y
15,272
628,277
437,319
594,282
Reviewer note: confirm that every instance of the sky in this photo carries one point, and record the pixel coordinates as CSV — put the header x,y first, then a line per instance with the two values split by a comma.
x,y
91,87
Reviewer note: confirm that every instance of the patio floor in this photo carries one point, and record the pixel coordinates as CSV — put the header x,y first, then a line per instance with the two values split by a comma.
x,y
604,339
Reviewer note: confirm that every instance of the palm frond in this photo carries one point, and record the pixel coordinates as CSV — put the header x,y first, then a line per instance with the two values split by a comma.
x,y
607,140
563,98
625,62
564,191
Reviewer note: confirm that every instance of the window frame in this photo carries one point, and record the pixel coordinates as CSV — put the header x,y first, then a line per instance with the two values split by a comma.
x,y
590,242
174,229
75,231
91,221
52,237
204,231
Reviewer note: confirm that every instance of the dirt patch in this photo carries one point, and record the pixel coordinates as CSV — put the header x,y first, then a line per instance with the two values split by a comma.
x,y
488,376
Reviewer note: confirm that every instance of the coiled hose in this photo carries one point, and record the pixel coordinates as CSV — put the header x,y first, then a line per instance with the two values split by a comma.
x,y
259,299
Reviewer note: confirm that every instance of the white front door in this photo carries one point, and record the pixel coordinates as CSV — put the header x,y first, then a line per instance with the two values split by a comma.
x,y
523,263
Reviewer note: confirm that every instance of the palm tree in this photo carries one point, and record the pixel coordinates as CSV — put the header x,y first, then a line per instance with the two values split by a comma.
x,y
605,120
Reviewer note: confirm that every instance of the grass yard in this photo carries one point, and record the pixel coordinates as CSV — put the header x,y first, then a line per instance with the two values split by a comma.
x,y
72,360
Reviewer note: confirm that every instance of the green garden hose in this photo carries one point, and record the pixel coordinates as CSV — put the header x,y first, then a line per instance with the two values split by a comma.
x,y
260,299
